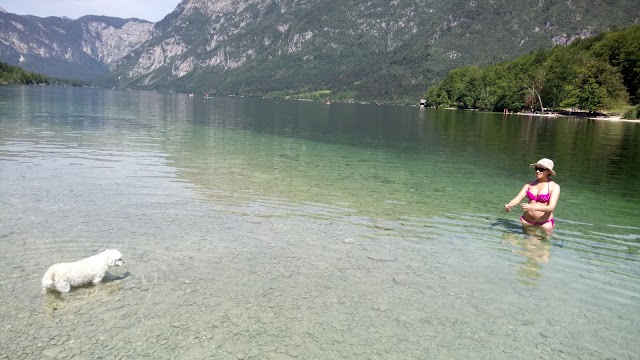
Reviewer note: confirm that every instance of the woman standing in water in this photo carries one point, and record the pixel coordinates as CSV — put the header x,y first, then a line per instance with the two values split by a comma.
x,y
542,194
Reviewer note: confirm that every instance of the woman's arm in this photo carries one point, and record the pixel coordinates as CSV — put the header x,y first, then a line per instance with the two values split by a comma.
x,y
548,207
517,199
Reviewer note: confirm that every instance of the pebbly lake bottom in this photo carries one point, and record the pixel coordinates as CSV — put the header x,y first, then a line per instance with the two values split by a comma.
x,y
265,278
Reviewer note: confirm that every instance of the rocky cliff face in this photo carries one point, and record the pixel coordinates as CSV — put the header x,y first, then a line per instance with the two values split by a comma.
x,y
109,43
72,49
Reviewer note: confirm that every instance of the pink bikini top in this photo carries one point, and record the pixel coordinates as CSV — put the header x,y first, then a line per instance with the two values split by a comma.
x,y
542,198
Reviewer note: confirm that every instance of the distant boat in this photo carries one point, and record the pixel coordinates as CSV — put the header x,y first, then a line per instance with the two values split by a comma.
x,y
206,96
190,94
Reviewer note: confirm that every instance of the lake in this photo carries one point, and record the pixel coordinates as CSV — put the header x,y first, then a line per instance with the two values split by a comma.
x,y
274,229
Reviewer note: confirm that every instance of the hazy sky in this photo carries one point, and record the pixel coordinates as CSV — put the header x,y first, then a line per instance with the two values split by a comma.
x,y
152,10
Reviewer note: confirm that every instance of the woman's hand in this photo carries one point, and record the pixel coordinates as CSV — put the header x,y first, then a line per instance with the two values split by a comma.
x,y
526,207
507,208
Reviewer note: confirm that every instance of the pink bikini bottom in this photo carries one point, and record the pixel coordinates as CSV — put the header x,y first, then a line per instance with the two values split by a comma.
x,y
538,223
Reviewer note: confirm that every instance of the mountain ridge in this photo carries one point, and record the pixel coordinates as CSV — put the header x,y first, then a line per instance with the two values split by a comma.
x,y
374,50
350,50
81,49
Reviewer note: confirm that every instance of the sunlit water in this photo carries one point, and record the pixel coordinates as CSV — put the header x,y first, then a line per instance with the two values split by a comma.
x,y
260,229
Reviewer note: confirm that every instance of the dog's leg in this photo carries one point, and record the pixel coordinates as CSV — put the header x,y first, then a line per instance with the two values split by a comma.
x,y
48,281
97,279
63,287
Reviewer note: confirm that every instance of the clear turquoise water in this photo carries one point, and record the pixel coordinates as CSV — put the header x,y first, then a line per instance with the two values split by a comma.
x,y
256,228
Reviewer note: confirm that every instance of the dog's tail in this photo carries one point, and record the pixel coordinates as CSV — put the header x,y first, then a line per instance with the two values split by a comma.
x,y
48,280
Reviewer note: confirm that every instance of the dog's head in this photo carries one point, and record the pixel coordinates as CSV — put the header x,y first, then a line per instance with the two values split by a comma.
x,y
114,257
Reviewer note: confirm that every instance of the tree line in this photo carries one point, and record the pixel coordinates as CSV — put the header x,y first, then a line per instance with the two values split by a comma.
x,y
13,75
593,74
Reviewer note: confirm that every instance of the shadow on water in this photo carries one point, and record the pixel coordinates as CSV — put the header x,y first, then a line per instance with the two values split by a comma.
x,y
507,224
81,296
109,277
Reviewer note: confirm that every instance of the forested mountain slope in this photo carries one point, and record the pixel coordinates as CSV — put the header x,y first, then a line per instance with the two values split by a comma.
x,y
601,72
14,75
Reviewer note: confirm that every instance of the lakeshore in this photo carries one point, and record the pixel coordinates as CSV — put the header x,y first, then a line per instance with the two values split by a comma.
x,y
600,117
551,114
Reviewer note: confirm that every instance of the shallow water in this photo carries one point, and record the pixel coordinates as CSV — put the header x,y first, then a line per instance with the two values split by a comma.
x,y
272,229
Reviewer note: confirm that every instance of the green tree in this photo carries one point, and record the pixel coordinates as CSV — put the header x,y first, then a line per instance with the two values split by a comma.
x,y
621,49
559,71
437,97
590,74
597,86
15,75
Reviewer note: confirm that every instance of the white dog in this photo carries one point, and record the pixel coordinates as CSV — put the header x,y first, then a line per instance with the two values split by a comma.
x,y
63,276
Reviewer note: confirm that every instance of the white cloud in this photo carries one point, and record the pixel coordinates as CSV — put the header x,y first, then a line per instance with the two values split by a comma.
x,y
152,10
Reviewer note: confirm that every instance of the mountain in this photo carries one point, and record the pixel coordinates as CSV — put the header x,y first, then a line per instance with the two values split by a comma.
x,y
374,50
81,49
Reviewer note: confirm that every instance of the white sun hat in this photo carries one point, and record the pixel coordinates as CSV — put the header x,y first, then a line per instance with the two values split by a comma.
x,y
545,163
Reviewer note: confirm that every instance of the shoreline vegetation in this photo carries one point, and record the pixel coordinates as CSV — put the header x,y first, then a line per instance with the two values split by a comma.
x,y
14,75
597,78
599,75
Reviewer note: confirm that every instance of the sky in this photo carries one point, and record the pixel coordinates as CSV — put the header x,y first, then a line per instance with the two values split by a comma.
x,y
152,10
